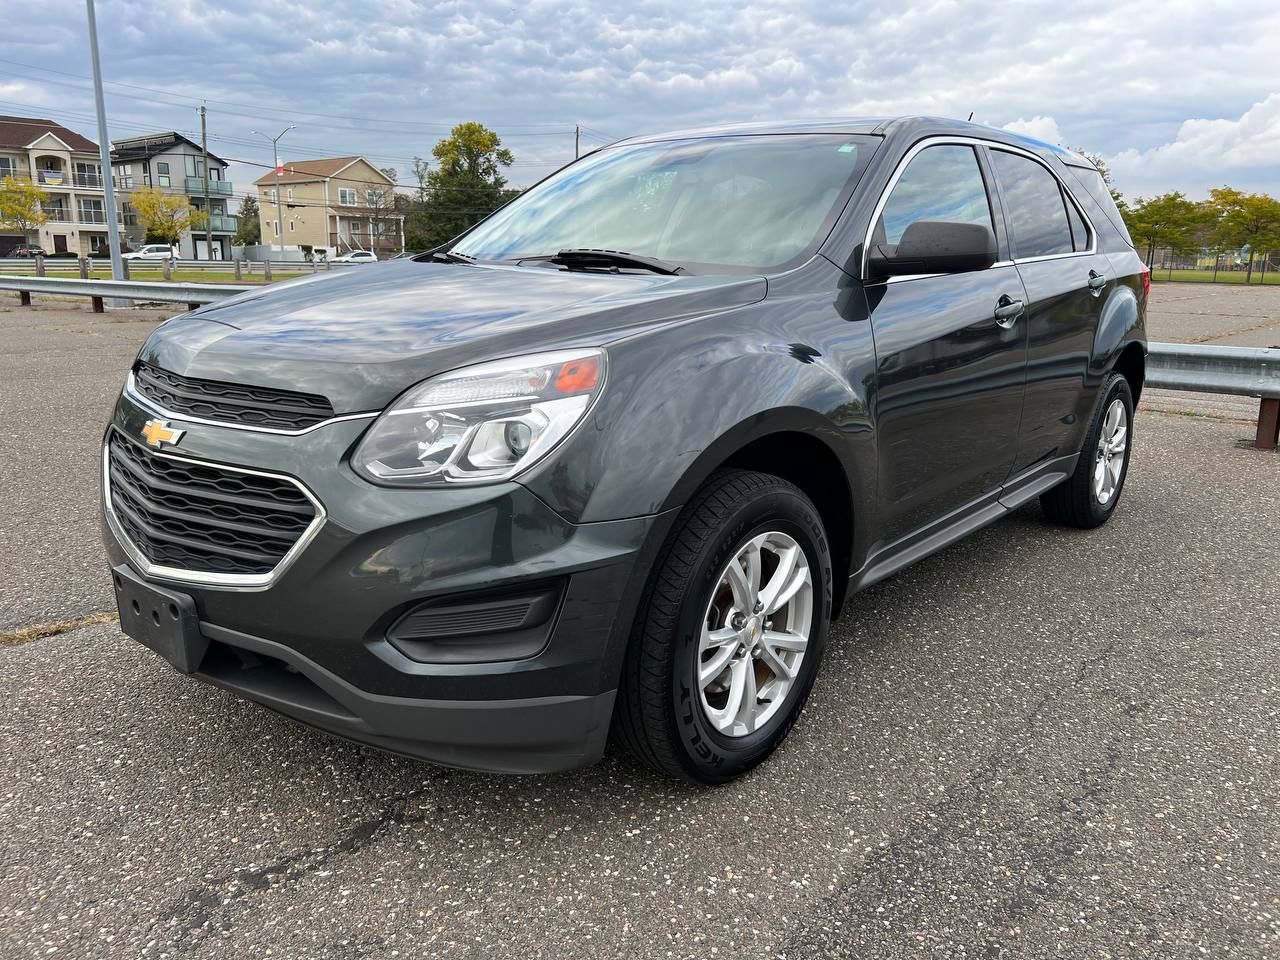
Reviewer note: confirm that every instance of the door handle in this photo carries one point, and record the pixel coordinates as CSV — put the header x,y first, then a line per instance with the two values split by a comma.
x,y
1007,310
1096,281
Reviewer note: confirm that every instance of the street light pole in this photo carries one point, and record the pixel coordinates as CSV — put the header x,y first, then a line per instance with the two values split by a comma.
x,y
275,153
104,149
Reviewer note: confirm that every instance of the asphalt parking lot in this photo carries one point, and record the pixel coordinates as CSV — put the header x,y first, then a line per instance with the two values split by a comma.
x,y
1038,743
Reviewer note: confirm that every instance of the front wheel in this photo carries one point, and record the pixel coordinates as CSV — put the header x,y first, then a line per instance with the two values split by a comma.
x,y
730,630
1088,498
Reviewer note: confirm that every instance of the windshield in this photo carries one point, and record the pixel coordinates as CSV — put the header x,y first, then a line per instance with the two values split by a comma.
x,y
711,205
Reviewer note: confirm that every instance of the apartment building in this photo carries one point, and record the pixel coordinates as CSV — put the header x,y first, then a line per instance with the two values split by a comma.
x,y
67,168
171,162
339,203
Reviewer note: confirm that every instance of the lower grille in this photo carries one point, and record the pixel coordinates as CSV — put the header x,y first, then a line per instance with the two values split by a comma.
x,y
202,517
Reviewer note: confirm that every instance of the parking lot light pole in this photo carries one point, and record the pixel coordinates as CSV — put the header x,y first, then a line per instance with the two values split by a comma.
x,y
275,155
104,150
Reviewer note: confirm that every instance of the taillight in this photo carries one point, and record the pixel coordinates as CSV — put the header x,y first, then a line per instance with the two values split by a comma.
x,y
1146,283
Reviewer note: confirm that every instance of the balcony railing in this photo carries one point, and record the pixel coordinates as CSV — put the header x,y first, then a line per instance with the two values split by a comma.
x,y
221,224
52,178
92,216
217,188
56,212
89,181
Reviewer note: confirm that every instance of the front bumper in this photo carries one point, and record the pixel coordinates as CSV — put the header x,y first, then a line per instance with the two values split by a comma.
x,y
313,642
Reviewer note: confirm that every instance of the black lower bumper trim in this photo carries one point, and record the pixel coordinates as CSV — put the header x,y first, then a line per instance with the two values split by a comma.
x,y
537,735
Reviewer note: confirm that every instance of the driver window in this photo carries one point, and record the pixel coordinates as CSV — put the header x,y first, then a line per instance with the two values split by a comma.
x,y
940,183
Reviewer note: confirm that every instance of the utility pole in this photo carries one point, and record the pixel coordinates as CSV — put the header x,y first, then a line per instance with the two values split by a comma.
x,y
577,139
104,149
208,214
275,153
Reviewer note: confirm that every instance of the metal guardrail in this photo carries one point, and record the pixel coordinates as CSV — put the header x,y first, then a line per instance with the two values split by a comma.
x,y
192,294
1239,371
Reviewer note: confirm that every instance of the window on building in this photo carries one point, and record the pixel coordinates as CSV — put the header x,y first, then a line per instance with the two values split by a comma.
x,y
92,211
289,193
88,174
275,226
292,226
357,227
195,166
347,197
374,197
162,173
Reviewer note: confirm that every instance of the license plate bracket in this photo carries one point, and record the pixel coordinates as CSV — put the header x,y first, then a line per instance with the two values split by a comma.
x,y
163,620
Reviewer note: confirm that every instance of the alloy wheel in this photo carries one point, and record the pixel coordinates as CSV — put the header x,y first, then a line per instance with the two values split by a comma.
x,y
754,634
1113,440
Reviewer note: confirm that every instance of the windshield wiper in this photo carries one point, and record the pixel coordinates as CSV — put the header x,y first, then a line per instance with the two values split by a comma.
x,y
449,256
582,258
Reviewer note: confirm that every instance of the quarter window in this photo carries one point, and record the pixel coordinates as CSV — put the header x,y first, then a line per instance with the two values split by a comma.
x,y
1079,232
1034,206
940,183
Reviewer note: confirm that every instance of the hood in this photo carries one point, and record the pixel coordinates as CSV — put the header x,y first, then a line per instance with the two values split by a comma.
x,y
362,335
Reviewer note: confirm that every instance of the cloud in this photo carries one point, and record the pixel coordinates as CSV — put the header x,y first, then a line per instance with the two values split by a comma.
x,y
1039,128
387,80
1210,151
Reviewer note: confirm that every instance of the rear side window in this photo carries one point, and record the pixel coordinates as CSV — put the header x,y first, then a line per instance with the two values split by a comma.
x,y
1097,188
1079,232
940,183
1034,206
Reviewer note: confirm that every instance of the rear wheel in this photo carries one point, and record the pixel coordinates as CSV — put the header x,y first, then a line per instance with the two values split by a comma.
x,y
1088,498
730,630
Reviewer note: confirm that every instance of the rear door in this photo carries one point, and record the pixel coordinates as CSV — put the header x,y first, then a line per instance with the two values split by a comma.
x,y
1055,250
949,371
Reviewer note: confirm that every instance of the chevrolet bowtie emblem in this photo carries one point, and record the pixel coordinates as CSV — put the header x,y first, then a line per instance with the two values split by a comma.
x,y
158,432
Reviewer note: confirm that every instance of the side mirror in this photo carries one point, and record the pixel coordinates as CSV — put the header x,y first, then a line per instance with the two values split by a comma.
x,y
935,246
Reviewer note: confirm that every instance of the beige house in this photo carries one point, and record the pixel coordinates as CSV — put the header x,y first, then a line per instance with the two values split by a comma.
x,y
67,167
339,203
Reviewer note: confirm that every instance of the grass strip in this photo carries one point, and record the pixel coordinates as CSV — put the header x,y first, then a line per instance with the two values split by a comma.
x,y
42,630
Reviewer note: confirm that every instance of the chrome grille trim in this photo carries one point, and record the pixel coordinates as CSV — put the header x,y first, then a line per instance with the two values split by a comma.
x,y
131,391
230,581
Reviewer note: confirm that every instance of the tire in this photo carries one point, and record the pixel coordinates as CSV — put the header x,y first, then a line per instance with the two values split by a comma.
x,y
1077,501
666,716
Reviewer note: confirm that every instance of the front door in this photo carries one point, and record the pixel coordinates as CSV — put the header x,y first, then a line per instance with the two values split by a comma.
x,y
1065,279
950,373
59,243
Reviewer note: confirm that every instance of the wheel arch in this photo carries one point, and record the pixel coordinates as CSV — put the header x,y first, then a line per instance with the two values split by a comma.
x,y
800,446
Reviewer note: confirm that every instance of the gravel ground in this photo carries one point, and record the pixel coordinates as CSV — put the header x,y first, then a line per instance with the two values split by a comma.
x,y
1038,743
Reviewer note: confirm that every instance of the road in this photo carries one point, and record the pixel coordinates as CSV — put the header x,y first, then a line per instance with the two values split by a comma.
x,y
1038,743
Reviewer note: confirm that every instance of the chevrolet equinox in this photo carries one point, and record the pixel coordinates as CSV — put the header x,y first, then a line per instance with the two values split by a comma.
x,y
610,462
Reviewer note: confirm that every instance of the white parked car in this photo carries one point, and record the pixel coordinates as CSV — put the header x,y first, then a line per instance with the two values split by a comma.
x,y
153,251
357,256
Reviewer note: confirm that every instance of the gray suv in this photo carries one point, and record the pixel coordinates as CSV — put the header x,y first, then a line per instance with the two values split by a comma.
x,y
610,462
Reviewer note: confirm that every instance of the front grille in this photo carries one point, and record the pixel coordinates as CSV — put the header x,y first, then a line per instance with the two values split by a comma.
x,y
201,517
231,402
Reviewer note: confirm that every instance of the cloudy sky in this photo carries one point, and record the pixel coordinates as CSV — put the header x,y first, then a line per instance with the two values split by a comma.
x,y
1175,95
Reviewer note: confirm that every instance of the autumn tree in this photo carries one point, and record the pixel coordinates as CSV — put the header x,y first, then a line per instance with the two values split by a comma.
x,y
248,227
166,216
1167,221
20,206
466,185
1245,219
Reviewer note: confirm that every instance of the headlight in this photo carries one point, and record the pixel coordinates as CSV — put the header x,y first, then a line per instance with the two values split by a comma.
x,y
482,423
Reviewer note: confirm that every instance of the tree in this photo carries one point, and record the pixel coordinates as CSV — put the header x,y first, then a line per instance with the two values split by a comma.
x,y
248,227
166,216
1245,218
465,187
1169,220
20,207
